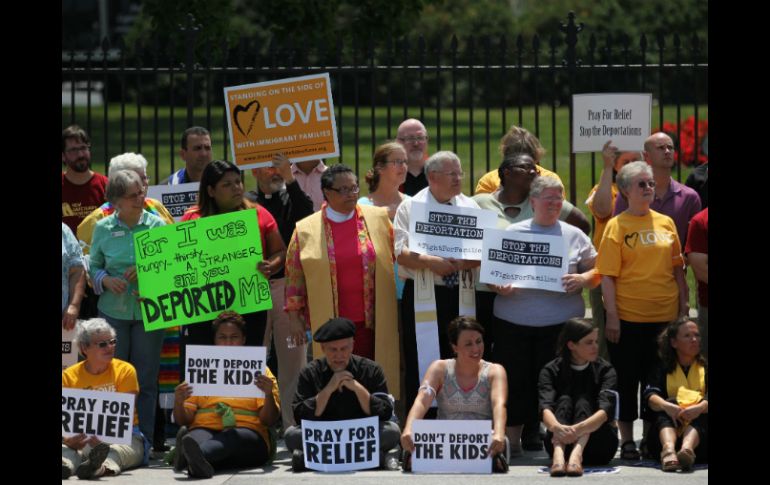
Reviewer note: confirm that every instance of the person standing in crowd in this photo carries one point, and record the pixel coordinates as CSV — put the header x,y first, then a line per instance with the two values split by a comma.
x,y
308,176
341,386
340,264
413,136
73,279
697,252
445,176
85,456
196,153
221,191
225,432
113,273
279,193
678,394
601,203
578,402
465,387
516,140
82,189
643,285
527,321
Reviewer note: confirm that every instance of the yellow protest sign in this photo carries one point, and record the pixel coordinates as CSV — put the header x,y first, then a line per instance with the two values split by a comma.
x,y
294,116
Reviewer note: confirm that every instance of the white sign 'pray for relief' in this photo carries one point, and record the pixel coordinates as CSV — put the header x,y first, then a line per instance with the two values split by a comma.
x,y
341,446
524,259
224,370
448,231
107,415
451,446
623,118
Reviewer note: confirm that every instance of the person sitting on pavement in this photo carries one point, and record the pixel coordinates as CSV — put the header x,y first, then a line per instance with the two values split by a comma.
x,y
225,432
678,393
87,456
577,398
465,387
341,386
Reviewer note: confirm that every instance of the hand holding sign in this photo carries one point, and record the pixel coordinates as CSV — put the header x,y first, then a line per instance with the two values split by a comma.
x,y
264,383
130,274
182,392
76,442
504,290
609,153
283,166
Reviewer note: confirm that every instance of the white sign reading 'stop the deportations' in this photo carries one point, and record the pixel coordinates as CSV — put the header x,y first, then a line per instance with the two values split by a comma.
x,y
176,198
524,259
448,231
107,415
442,446
341,446
623,118
223,370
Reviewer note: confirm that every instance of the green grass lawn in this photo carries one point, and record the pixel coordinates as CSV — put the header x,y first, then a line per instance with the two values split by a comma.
x,y
478,147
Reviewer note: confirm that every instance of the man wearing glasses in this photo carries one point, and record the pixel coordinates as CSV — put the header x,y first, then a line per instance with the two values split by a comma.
x,y
413,136
82,189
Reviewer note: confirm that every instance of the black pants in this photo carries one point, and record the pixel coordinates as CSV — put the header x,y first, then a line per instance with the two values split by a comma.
x,y
390,436
602,443
202,334
485,303
523,351
634,357
232,448
447,309
663,420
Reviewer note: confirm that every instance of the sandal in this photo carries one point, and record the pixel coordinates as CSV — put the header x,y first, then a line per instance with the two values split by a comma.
x,y
686,459
559,470
667,463
406,461
628,451
499,464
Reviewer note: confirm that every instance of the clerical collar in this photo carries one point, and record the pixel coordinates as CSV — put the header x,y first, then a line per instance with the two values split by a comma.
x,y
579,367
335,216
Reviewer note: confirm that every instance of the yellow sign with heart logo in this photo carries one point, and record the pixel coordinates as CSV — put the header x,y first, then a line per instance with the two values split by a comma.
x,y
293,116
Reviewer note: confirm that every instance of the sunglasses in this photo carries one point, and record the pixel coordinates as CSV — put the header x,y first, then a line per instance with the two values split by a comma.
x,y
642,184
104,343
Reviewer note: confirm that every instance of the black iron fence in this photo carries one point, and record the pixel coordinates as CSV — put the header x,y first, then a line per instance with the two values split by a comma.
x,y
467,93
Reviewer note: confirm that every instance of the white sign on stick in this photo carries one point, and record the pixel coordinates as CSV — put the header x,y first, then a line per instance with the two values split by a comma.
x,y
451,446
107,415
176,198
223,370
527,260
341,446
623,118
448,231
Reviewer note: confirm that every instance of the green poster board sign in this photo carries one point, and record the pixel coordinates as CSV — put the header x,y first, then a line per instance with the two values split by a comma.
x,y
192,271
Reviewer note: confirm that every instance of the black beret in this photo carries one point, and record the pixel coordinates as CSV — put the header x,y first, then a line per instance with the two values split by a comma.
x,y
335,329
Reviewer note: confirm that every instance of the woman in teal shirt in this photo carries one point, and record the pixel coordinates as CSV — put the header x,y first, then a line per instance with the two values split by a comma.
x,y
113,272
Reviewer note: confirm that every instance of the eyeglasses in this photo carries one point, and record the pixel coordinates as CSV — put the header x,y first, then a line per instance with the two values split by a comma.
x,y
551,199
413,139
78,149
397,162
526,168
458,175
347,190
136,195
105,343
650,183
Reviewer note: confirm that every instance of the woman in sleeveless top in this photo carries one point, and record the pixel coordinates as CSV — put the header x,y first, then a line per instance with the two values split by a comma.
x,y
466,387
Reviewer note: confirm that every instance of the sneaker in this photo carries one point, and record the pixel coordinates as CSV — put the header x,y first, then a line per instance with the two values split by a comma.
x,y
90,467
298,461
66,471
197,466
179,462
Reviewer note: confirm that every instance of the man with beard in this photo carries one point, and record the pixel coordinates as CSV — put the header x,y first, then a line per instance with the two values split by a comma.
x,y
279,192
413,136
196,153
82,189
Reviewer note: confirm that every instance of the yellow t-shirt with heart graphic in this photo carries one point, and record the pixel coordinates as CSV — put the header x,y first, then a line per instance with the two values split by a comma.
x,y
641,253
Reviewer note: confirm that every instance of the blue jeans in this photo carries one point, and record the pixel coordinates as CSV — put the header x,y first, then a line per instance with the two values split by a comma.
x,y
142,350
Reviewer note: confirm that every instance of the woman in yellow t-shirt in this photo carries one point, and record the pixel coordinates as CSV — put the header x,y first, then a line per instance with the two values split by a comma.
x,y
644,289
225,432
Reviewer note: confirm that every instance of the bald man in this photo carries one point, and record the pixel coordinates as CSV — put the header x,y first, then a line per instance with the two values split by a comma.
x,y
413,136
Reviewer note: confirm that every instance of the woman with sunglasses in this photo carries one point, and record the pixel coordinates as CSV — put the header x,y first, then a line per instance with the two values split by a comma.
x,y
644,288
113,274
221,191
85,456
340,264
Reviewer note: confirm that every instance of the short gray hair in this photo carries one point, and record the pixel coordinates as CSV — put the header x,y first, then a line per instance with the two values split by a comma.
x,y
433,164
540,183
128,161
86,330
119,183
629,172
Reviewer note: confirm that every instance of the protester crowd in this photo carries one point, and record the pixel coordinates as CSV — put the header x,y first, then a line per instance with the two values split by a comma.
x,y
364,323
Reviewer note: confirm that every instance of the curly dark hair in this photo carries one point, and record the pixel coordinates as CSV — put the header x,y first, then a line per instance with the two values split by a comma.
x,y
666,352
229,316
